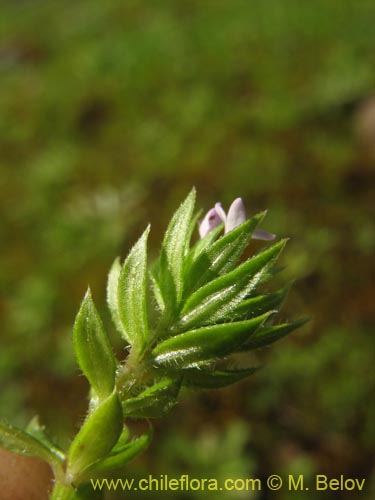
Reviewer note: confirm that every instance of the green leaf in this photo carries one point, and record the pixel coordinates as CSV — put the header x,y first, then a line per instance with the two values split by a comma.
x,y
154,402
122,440
192,226
38,431
205,344
154,275
132,294
217,299
22,443
96,438
207,379
173,252
117,459
201,245
259,304
271,273
112,297
267,335
221,256
92,349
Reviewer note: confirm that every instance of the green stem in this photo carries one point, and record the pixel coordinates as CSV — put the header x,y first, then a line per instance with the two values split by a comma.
x,y
63,492
137,371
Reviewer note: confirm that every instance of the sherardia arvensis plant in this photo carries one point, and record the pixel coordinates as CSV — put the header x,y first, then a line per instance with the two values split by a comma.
x,y
182,319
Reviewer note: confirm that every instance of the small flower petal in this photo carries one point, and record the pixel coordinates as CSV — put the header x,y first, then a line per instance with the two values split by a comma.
x,y
210,221
220,211
236,215
260,234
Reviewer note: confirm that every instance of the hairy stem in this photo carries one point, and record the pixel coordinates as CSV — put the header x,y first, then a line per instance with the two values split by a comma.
x,y
136,372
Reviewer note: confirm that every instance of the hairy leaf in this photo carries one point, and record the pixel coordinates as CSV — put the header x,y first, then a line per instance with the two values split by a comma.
x,y
205,344
92,349
38,431
217,299
200,246
259,304
221,256
155,281
132,294
112,297
173,253
22,443
117,459
96,438
267,335
207,379
154,402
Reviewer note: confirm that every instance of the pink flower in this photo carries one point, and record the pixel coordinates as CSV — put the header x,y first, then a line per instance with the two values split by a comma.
x,y
235,217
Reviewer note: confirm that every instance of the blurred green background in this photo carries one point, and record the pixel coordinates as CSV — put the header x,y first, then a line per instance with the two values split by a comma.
x,y
109,112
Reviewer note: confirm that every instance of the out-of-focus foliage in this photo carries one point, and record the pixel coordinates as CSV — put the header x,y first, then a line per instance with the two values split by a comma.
x,y
109,113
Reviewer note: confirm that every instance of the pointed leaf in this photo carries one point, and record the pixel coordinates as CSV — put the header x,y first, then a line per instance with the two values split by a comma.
x,y
192,226
174,248
112,297
267,335
132,294
271,273
259,304
248,268
92,349
121,457
221,256
207,379
214,301
201,245
122,440
154,275
205,344
22,443
38,431
154,402
96,438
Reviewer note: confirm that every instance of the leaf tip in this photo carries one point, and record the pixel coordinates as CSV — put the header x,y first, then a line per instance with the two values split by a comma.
x,y
261,215
88,294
